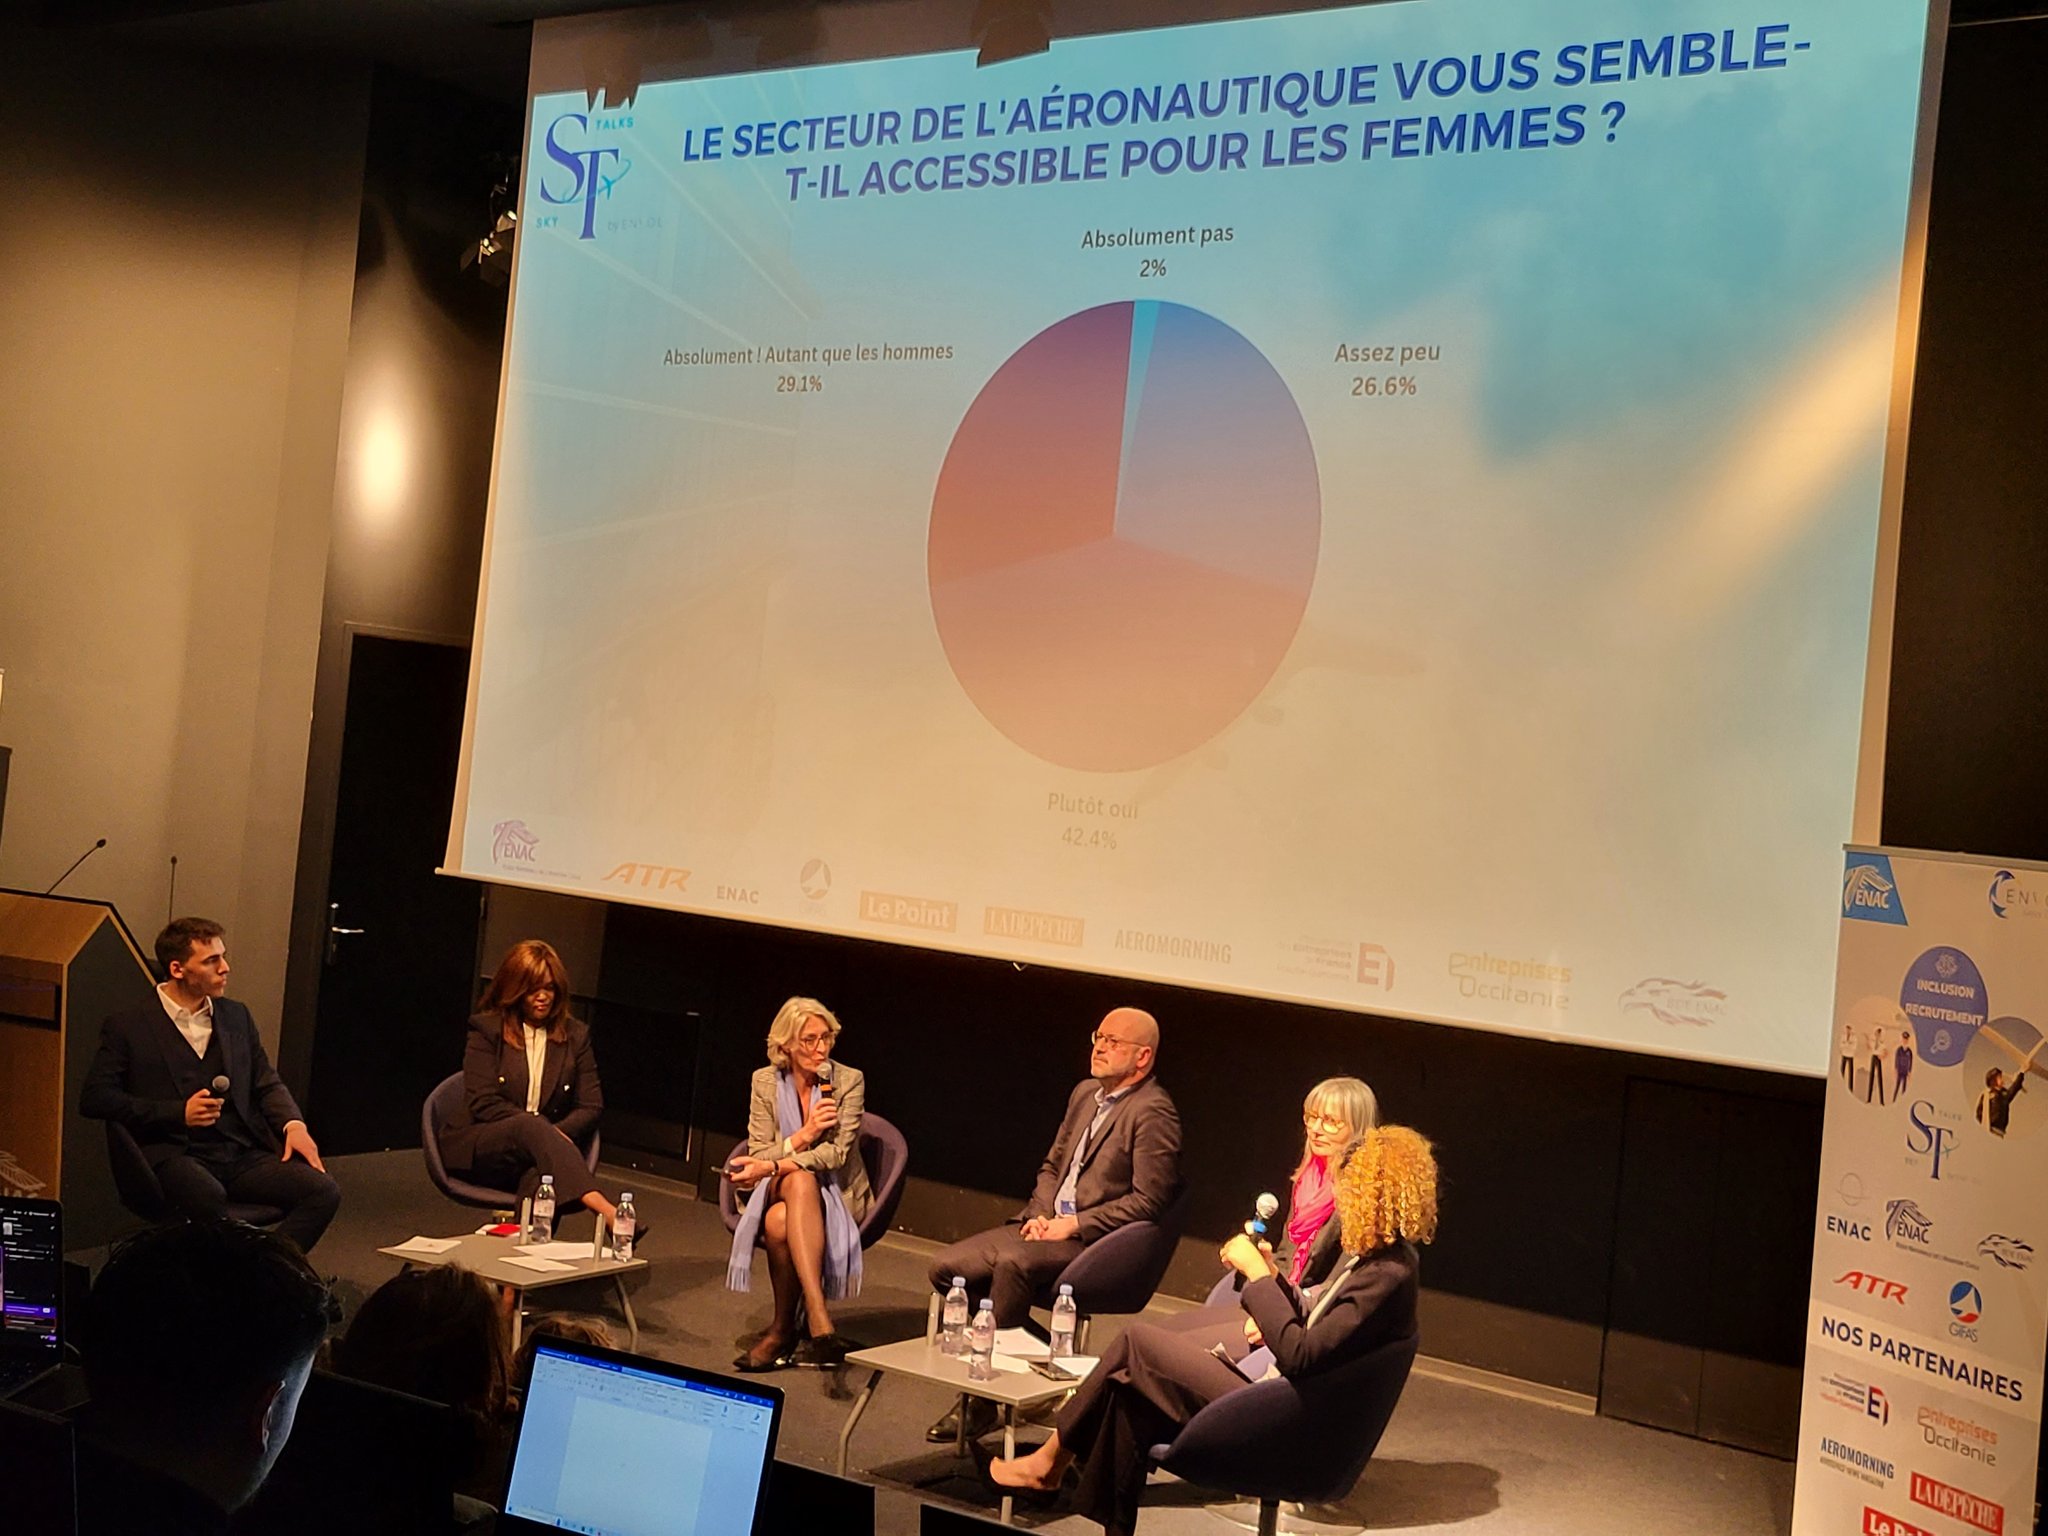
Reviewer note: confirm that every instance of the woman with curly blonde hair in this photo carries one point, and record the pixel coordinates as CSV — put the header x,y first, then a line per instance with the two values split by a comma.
x,y
1153,1380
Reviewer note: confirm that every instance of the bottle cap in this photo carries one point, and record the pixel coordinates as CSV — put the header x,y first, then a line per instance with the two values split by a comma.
x,y
961,1281
987,1305
625,1195
1066,1290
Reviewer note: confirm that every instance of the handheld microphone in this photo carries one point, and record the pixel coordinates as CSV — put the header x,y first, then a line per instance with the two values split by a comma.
x,y
95,848
1265,1208
220,1087
171,900
825,1078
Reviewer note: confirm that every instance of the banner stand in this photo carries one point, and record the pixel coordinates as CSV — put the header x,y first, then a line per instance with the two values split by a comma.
x,y
1921,1413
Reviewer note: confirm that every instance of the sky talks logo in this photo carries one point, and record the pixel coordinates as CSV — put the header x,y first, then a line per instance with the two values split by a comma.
x,y
586,163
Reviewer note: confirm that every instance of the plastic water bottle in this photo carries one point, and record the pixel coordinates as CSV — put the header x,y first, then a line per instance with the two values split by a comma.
x,y
953,1325
1063,1317
981,1362
625,1221
543,1211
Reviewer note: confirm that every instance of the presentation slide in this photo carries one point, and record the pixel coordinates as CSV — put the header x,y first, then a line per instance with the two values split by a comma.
x,y
1378,507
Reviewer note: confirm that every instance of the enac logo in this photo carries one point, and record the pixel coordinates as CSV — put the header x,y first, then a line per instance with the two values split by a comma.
x,y
651,877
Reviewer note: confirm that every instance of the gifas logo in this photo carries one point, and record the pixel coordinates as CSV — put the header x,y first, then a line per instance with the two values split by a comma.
x,y
592,170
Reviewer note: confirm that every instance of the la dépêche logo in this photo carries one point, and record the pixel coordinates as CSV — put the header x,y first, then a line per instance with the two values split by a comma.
x,y
1676,1002
512,843
593,169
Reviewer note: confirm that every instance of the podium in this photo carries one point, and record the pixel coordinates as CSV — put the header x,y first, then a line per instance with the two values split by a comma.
x,y
65,964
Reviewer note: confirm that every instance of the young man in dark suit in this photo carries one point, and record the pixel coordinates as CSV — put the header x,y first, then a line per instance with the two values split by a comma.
x,y
1115,1160
155,1073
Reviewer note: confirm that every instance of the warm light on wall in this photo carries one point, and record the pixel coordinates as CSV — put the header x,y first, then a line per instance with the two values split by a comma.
x,y
384,465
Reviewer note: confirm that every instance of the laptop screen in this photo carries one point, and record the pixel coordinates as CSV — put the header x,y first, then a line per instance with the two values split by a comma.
x,y
628,1446
31,1277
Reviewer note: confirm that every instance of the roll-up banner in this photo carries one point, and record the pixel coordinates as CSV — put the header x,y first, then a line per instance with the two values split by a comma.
x,y
1925,1331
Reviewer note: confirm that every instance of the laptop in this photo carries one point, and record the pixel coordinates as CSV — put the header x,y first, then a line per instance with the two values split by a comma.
x,y
627,1445
31,1291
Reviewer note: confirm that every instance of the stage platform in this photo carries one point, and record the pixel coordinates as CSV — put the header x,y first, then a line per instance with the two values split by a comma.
x,y
1458,1459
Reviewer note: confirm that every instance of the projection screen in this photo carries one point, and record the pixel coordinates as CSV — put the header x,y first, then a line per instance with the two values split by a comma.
x,y
1384,507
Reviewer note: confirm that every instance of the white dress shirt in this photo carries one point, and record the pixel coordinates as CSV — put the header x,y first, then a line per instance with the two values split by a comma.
x,y
195,1024
536,1062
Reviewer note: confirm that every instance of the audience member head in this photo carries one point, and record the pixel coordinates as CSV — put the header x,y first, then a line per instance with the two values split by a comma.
x,y
1125,1048
574,1327
1387,1190
1337,1111
441,1334
200,1336
795,1028
531,987
192,953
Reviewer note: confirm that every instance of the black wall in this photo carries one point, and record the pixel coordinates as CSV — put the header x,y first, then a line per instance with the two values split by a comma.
x,y
1613,1224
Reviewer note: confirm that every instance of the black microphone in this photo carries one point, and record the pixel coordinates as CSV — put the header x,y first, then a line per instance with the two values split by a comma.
x,y
171,901
95,848
825,1078
220,1087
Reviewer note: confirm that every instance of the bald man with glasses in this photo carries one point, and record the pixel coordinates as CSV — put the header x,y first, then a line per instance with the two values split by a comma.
x,y
1116,1159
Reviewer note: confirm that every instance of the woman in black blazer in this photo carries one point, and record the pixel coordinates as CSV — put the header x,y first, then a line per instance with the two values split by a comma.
x,y
514,1126
1153,1380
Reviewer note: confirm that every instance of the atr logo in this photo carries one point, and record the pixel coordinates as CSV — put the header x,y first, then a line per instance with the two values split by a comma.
x,y
1869,893
1375,967
2007,1252
1676,1002
651,877
815,879
1958,1505
1905,1221
1873,1285
1966,1307
1926,1139
586,166
511,843
1877,1523
1842,1226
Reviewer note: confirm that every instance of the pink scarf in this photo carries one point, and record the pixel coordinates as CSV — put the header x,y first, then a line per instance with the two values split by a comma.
x,y
1315,1201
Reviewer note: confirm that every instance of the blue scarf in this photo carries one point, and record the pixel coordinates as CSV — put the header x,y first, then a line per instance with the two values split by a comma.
x,y
842,1238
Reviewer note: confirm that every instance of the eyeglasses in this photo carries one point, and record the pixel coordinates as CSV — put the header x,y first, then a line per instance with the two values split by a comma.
x,y
1101,1038
814,1042
1324,1122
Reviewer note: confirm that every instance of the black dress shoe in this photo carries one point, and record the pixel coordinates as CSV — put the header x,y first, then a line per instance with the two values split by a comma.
x,y
753,1364
822,1352
981,1418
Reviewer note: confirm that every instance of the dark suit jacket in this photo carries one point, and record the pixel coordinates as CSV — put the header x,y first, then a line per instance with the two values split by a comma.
x,y
131,1078
494,1082
1373,1304
1324,1251
1132,1169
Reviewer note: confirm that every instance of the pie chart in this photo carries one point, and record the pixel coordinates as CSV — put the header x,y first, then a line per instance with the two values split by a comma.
x,y
1124,536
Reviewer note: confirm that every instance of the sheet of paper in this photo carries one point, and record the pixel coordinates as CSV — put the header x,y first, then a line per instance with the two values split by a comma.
x,y
428,1246
544,1266
1021,1344
1011,1364
1080,1365
556,1250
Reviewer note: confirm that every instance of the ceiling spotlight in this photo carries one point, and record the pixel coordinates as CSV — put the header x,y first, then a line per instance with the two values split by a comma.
x,y
490,256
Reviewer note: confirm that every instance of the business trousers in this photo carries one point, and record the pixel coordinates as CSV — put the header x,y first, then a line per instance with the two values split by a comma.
x,y
1001,1265
1148,1384
1876,1083
518,1149
204,1186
